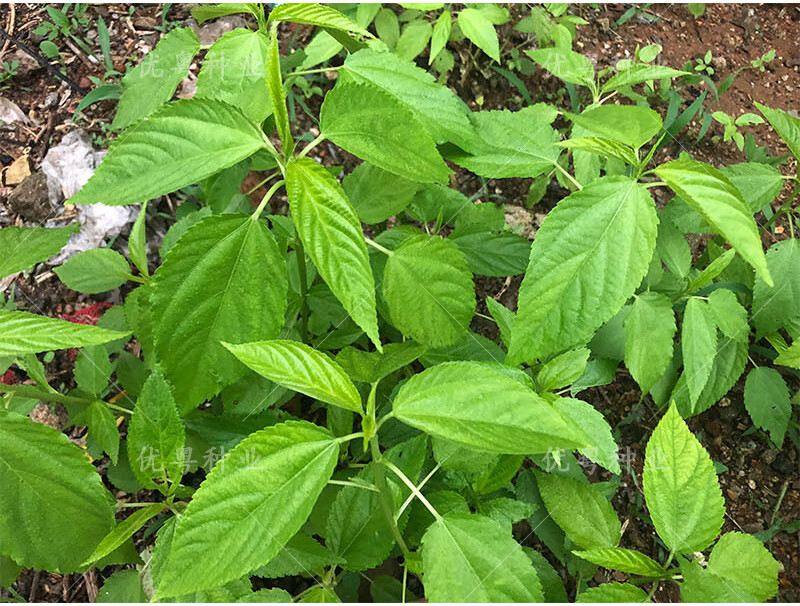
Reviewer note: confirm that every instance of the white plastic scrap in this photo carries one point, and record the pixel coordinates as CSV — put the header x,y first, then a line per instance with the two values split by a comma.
x,y
68,167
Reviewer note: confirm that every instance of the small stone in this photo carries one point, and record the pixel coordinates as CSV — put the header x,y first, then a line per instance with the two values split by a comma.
x,y
751,484
732,494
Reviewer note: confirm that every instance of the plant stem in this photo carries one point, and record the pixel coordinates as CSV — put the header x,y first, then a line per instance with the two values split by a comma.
x,y
257,213
568,176
383,249
352,436
272,176
320,138
784,207
383,494
354,485
300,253
119,408
121,504
29,391
655,184
314,71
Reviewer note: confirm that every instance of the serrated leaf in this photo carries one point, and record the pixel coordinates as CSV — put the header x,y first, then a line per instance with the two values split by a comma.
x,y
472,558
788,127
563,369
612,593
234,70
121,587
626,560
593,250
248,507
176,146
710,193
698,345
449,401
152,83
92,369
137,242
332,236
22,247
649,332
602,147
729,315
26,333
766,397
302,555
429,291
638,73
567,65
277,93
376,194
156,435
224,280
205,12
681,488
370,367
587,518
511,144
628,124
775,307
55,508
759,184
375,126
103,428
790,356
301,368
316,14
494,254
94,271
440,34
414,39
552,585
123,531
602,449
480,31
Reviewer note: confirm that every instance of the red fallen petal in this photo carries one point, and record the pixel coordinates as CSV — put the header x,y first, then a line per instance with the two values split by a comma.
x,y
9,378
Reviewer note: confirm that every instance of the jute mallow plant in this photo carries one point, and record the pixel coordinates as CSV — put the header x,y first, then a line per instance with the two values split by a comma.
x,y
328,383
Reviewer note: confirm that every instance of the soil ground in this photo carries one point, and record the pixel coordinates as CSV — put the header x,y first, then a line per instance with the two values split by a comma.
x,y
761,484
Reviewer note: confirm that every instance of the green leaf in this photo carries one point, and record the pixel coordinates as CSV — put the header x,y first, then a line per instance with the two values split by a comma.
x,y
234,70
103,428
788,127
790,356
176,146
602,147
593,250
94,271
567,65
224,279
638,73
414,39
124,586
371,367
375,126
710,193
440,35
681,487
511,144
449,401
626,560
429,291
156,435
587,518
673,249
552,585
729,315
123,531
714,269
316,14
26,333
759,184
302,555
438,109
330,230
495,254
698,345
602,449
472,558
9,571
92,369
277,93
137,242
205,12
628,124
649,332
22,247
775,307
55,508
612,593
563,370
248,507
740,569
480,31
766,397
301,368
152,83
377,194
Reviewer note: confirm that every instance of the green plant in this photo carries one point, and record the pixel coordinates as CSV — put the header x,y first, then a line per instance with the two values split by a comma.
x,y
8,70
330,380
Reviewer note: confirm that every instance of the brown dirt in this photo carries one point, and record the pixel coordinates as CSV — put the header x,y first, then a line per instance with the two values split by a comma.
x,y
736,34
